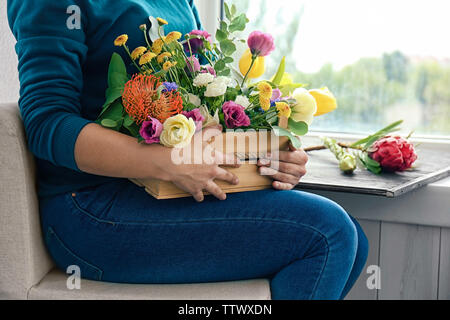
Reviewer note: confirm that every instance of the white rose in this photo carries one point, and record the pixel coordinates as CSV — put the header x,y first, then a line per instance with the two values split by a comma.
x,y
203,79
225,80
243,101
216,89
195,100
305,107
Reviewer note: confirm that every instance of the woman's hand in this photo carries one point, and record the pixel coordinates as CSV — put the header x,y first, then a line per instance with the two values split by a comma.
x,y
196,178
287,168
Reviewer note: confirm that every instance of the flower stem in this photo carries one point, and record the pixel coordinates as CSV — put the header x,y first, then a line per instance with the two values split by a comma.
x,y
134,62
249,69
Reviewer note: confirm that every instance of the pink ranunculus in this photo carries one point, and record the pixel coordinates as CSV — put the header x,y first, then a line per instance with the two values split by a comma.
x,y
208,69
197,44
261,44
197,116
235,115
193,65
151,130
394,154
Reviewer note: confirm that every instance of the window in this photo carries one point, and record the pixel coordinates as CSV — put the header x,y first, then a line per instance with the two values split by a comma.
x,y
385,60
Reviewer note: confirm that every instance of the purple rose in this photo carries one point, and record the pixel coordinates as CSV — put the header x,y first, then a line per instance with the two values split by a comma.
x,y
235,115
197,44
192,64
197,116
151,130
208,69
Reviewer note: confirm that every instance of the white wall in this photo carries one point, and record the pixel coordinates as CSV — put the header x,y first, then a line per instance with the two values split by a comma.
x,y
9,88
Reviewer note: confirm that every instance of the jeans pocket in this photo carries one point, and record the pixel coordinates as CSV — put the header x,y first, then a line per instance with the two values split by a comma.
x,y
64,257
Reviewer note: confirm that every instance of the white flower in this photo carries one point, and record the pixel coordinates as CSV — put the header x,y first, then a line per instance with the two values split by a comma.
x,y
209,119
195,100
203,79
305,107
225,80
243,101
216,89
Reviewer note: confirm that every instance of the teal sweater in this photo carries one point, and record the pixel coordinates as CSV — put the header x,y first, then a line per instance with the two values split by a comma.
x,y
63,72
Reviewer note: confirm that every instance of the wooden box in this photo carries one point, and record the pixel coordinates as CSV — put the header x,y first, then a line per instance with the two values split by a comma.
x,y
247,146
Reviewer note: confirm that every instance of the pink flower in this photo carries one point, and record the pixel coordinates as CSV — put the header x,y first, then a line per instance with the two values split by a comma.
x,y
151,130
208,69
197,44
193,65
261,44
276,95
394,154
197,116
235,115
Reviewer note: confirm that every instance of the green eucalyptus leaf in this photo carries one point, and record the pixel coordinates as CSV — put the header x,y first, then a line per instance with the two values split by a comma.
x,y
221,35
219,65
228,47
299,128
227,11
238,23
280,132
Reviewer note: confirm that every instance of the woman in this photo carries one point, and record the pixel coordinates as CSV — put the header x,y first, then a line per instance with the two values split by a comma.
x,y
113,230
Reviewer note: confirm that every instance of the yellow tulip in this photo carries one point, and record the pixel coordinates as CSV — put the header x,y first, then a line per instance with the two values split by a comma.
x,y
305,106
258,69
326,102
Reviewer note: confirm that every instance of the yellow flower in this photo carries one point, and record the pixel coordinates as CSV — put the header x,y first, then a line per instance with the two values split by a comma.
x,y
283,109
163,56
258,68
148,72
173,36
157,46
162,22
326,102
138,52
264,103
177,131
305,107
121,40
167,65
143,27
265,90
146,58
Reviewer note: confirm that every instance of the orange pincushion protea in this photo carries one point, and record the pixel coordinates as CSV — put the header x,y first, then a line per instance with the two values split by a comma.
x,y
140,99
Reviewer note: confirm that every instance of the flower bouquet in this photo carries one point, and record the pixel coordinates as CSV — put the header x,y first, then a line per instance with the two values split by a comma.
x,y
184,84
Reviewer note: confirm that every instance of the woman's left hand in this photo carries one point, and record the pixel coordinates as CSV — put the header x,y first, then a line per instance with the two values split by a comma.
x,y
286,168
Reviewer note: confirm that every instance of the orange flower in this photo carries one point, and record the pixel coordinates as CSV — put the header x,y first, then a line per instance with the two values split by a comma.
x,y
142,100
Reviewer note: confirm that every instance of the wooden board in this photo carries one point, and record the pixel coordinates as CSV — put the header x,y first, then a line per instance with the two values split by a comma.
x,y
324,174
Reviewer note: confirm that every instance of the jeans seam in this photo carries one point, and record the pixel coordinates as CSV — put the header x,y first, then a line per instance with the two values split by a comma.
x,y
98,270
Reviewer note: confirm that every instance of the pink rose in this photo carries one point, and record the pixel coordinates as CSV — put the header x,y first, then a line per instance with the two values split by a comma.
x,y
151,130
235,115
394,154
261,44
197,116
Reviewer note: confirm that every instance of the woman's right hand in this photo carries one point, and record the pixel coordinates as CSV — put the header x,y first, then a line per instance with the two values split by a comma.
x,y
196,178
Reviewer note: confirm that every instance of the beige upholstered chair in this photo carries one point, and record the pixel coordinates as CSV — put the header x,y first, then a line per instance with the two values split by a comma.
x,y
26,270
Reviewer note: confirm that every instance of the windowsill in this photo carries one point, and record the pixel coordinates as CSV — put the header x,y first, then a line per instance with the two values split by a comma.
x,y
428,205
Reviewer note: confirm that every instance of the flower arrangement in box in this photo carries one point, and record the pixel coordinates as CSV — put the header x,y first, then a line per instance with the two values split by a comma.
x,y
183,84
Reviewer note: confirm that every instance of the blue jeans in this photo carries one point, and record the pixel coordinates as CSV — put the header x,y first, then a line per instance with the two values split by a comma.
x,y
308,246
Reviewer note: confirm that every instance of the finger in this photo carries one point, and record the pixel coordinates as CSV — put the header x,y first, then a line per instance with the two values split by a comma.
x,y
198,196
215,190
279,176
225,175
285,167
291,147
282,186
227,159
298,157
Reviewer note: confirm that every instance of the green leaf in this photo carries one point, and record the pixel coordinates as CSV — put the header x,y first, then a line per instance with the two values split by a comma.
x,y
238,23
224,27
299,128
228,47
117,72
280,73
280,132
233,9
108,123
128,122
225,73
219,65
227,11
228,60
221,35
287,89
368,141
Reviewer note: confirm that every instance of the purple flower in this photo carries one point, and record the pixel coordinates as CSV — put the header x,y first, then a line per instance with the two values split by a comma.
x,y
151,130
206,69
197,44
261,44
235,115
193,65
170,86
197,116
276,95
